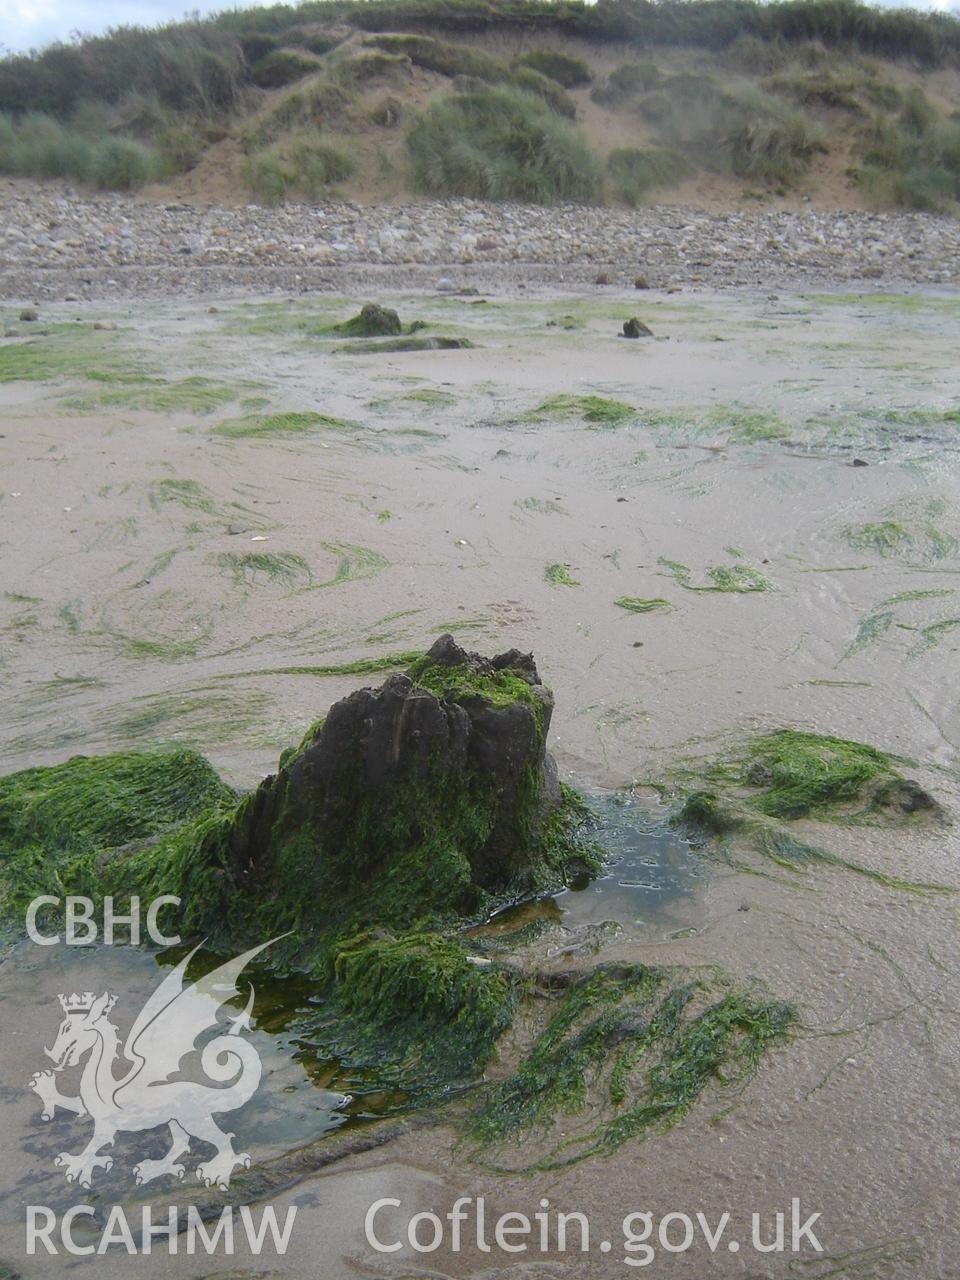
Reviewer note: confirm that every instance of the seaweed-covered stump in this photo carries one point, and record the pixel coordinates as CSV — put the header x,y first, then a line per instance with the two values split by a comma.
x,y
446,765
410,806
373,322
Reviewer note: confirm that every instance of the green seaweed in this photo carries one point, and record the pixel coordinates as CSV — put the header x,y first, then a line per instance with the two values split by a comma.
x,y
635,604
159,564
190,395
630,1049
499,688
679,571
431,397
558,575
292,317
808,775
250,567
756,427
915,417
905,302
202,717
68,616
906,597
359,667
735,578
186,493
56,822
266,426
790,775
165,650
565,322
879,621
70,353
597,410
940,545
417,1007
353,563
885,537
871,628
908,530
931,635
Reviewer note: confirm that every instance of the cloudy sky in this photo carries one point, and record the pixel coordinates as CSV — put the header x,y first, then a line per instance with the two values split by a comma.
x,y
26,24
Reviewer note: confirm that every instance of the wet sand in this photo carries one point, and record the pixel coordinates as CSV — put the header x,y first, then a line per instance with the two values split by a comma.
x,y
138,608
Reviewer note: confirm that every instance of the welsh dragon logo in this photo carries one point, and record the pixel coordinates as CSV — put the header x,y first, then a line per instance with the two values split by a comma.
x,y
142,1095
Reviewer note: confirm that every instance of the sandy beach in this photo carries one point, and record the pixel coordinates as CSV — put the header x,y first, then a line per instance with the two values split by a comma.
x,y
208,506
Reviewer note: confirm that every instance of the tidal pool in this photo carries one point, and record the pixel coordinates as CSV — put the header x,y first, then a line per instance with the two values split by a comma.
x,y
300,1097
653,877
651,887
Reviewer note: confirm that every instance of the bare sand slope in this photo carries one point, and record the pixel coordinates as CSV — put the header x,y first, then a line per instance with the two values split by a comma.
x,y
179,564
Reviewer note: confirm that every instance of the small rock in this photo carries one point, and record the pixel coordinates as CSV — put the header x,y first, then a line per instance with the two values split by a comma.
x,y
906,796
759,774
859,462
236,528
107,325
70,297
635,328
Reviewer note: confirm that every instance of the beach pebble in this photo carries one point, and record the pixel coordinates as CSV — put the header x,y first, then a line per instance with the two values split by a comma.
x,y
130,247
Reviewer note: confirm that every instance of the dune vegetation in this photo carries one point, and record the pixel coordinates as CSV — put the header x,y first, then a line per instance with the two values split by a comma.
x,y
617,102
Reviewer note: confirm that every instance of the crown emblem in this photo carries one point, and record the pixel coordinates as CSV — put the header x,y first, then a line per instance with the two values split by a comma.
x,y
77,1003
82,1004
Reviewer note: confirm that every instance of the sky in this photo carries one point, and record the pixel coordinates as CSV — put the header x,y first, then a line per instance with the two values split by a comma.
x,y
30,24
27,24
